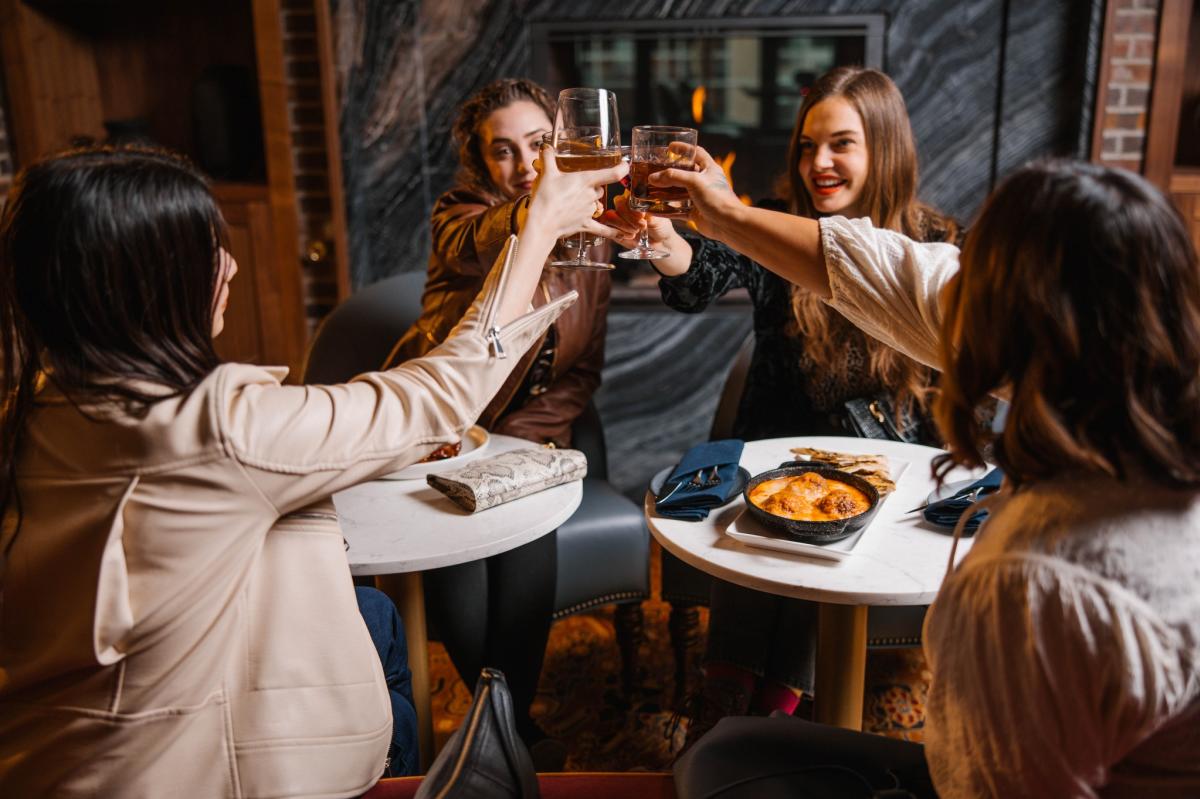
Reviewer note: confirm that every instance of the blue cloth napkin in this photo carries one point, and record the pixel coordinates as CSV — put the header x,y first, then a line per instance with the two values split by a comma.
x,y
681,499
947,512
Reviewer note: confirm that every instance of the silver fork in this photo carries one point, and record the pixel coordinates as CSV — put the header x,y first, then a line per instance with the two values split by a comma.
x,y
698,481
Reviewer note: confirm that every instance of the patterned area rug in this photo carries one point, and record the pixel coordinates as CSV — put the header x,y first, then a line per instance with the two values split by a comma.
x,y
581,703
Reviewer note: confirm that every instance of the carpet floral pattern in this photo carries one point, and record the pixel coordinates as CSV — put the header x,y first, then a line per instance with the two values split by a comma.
x,y
580,700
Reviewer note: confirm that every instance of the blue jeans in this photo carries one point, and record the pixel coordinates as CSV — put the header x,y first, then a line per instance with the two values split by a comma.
x,y
387,633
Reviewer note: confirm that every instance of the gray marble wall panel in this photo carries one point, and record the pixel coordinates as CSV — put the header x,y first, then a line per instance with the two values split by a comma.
x,y
979,109
1050,69
662,379
405,66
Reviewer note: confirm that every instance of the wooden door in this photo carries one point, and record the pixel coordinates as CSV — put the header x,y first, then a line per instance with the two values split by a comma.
x,y
252,331
1185,193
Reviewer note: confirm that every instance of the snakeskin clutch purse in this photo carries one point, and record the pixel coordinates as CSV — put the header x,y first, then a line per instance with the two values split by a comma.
x,y
493,481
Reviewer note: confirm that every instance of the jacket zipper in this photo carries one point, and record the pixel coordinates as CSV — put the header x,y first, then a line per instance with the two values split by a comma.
x,y
488,421
317,515
468,739
493,330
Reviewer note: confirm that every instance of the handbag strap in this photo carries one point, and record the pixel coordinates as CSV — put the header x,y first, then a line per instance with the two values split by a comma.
x,y
514,749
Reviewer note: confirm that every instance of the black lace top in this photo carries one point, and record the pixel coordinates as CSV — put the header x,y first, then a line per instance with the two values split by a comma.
x,y
785,394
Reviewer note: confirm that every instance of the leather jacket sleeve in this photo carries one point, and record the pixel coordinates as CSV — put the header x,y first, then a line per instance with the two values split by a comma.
x,y
300,444
548,417
468,234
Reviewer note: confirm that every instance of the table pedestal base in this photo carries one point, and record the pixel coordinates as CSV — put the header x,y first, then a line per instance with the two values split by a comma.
x,y
408,592
841,665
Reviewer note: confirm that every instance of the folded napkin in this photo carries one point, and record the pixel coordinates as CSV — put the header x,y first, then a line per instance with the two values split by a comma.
x,y
946,512
492,481
686,496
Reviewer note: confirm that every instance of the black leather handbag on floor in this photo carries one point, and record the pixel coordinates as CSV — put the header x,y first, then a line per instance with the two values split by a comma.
x,y
485,757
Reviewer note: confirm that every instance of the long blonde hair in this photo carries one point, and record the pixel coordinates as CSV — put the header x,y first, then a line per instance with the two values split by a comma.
x,y
889,196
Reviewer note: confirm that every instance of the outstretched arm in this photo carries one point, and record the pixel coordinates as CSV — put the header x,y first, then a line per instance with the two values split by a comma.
x,y
788,245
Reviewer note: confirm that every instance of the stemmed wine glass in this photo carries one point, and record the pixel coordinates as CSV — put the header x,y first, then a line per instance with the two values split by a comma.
x,y
586,136
655,148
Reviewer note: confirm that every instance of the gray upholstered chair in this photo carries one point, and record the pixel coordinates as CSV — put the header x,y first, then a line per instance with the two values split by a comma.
x,y
603,550
687,588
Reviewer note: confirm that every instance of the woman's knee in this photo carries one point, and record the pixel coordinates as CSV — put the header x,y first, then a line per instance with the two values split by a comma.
x,y
382,619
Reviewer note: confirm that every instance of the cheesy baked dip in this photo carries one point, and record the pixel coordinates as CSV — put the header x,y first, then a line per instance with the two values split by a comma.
x,y
809,497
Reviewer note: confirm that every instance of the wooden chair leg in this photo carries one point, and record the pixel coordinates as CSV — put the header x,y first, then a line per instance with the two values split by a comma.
x,y
684,628
630,623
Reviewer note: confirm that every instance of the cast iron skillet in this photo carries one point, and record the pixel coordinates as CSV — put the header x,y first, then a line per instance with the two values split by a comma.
x,y
813,532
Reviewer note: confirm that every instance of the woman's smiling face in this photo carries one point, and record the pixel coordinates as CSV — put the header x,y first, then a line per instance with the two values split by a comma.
x,y
509,140
833,157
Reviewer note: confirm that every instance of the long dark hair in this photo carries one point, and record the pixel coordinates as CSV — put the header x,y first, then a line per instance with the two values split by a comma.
x,y
498,94
889,199
1080,292
109,266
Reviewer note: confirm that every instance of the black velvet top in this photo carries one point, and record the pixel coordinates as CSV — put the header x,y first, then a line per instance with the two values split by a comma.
x,y
785,393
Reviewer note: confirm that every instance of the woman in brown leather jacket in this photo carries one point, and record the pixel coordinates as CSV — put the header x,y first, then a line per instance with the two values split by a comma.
x,y
497,612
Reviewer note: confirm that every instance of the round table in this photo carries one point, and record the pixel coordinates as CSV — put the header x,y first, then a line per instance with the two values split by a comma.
x,y
900,560
398,528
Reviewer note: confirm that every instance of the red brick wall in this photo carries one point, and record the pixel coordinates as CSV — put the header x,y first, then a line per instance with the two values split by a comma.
x,y
1131,33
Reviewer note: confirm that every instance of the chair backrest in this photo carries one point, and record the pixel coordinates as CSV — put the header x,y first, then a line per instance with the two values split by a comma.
x,y
731,392
587,436
357,335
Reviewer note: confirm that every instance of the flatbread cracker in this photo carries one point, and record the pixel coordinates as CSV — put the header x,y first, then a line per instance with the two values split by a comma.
x,y
872,468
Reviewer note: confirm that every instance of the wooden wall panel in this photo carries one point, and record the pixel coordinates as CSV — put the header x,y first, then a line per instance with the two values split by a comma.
x,y
281,297
249,335
1170,61
53,90
1185,192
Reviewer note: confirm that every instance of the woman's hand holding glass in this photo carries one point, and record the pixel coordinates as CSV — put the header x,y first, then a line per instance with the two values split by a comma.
x,y
659,233
565,203
715,208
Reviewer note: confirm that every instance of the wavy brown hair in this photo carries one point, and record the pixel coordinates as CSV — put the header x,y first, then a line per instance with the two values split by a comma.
x,y
472,171
889,197
1079,293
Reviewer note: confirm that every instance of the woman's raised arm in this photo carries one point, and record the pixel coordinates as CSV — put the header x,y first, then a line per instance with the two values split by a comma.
x,y
788,245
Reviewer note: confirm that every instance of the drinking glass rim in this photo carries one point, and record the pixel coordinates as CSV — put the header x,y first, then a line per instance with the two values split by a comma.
x,y
665,129
584,91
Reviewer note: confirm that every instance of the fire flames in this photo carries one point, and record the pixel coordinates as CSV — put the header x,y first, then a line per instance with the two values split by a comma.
x,y
699,95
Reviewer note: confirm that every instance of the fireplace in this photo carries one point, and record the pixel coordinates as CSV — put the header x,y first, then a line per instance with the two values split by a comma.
x,y
739,81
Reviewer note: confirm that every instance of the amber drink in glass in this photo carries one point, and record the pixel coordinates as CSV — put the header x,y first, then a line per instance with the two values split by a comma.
x,y
586,136
655,148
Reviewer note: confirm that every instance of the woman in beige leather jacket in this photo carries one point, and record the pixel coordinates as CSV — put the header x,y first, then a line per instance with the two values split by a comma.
x,y
176,610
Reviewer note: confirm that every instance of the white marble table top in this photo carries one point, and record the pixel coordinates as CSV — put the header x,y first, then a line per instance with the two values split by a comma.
x,y
900,560
396,526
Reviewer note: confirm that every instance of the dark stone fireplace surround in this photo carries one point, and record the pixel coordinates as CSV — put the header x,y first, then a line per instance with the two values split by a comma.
x,y
990,84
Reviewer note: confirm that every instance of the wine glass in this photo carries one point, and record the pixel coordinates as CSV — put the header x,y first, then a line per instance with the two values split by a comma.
x,y
653,149
586,136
